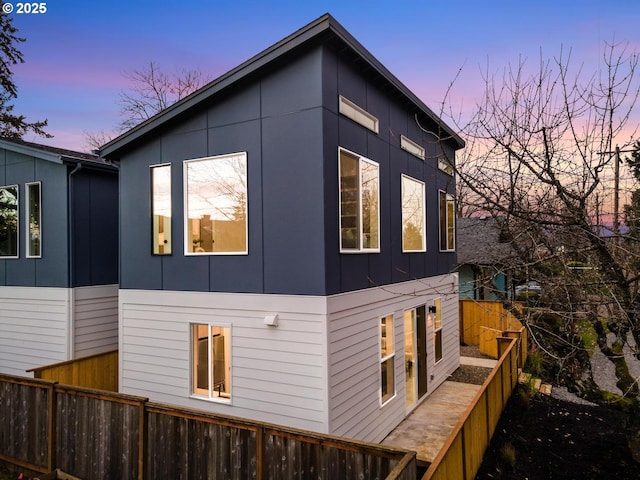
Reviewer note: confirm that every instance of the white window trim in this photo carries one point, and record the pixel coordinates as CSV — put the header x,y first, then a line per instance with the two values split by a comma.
x,y
185,194
210,397
412,147
448,197
358,114
424,212
382,360
26,218
360,248
17,255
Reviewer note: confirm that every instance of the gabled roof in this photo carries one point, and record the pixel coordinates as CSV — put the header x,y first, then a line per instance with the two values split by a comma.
x,y
479,241
323,29
54,154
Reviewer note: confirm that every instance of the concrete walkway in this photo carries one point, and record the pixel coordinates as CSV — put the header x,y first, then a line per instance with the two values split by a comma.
x,y
427,428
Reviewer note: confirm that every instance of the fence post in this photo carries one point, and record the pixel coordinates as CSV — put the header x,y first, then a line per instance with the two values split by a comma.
x,y
259,452
142,438
52,426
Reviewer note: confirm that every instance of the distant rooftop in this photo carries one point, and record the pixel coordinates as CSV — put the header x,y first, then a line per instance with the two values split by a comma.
x,y
55,154
479,241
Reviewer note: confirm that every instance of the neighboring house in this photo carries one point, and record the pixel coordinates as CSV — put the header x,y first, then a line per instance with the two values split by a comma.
x,y
58,255
286,239
485,259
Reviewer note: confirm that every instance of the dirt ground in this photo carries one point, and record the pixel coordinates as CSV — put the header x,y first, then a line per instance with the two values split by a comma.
x,y
543,438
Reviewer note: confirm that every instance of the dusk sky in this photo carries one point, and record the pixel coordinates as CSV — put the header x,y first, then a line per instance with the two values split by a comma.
x,y
76,52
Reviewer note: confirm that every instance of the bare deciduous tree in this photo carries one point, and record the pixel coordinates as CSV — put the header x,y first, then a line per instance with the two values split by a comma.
x,y
152,90
539,157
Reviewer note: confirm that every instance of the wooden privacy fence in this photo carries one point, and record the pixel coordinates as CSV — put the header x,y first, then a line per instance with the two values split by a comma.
x,y
99,371
483,322
95,435
462,453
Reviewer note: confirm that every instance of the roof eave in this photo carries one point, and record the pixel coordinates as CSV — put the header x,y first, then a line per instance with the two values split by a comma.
x,y
31,151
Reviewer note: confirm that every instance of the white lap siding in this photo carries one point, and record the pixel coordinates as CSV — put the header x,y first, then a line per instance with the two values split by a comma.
x,y
34,325
319,369
95,320
354,353
278,374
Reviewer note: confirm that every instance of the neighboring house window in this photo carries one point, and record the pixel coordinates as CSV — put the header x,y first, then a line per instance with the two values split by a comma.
x,y
387,356
359,203
447,222
357,114
445,166
211,361
9,221
412,147
216,205
161,209
437,328
413,218
34,220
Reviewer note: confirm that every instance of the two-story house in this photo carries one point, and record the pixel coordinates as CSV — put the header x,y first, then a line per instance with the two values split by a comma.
x,y
58,255
287,242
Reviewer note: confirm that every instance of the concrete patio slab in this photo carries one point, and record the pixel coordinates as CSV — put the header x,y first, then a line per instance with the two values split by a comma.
x,y
427,428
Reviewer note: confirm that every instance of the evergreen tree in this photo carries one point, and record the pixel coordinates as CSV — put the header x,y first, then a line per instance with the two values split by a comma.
x,y
11,124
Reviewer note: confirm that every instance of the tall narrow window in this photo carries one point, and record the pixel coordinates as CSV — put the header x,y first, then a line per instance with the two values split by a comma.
x,y
387,356
211,361
9,221
34,220
216,205
437,328
447,222
161,209
359,203
413,218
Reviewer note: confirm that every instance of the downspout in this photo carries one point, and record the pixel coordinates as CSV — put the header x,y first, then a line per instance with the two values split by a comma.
x,y
71,299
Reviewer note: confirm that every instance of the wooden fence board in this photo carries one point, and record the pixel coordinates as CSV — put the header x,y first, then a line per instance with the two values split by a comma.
x,y
24,419
99,371
94,434
97,437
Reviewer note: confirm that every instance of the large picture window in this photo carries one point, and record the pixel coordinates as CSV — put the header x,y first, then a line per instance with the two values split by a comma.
x,y
9,221
413,218
34,220
216,205
359,203
447,222
211,361
161,209
387,357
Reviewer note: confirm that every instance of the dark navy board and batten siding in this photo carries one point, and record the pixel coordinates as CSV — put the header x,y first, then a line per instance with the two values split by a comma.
x,y
288,123
93,197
